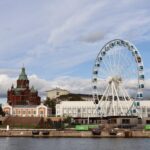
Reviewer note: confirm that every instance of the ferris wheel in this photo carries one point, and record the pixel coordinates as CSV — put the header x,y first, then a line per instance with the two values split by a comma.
x,y
118,79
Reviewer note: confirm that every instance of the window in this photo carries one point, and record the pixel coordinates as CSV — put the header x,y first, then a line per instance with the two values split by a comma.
x,y
84,109
125,121
138,104
79,110
139,121
57,93
147,121
113,121
89,110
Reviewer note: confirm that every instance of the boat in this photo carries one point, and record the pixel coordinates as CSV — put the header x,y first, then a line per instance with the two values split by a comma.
x,y
112,132
96,131
35,132
45,132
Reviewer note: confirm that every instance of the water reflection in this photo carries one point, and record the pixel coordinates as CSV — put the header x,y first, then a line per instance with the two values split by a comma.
x,y
73,144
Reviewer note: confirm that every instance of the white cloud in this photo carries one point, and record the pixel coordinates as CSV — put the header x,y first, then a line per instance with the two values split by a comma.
x,y
69,83
93,37
73,84
74,23
5,84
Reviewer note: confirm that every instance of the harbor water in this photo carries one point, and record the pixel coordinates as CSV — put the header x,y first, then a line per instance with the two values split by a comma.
x,y
20,143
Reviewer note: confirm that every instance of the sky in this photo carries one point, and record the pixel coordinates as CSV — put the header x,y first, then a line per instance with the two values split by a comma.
x,y
58,40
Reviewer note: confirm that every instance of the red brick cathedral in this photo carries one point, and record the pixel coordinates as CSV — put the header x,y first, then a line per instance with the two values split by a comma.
x,y
23,94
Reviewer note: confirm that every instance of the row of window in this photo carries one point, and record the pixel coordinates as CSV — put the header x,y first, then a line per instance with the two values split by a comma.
x,y
79,110
27,112
23,112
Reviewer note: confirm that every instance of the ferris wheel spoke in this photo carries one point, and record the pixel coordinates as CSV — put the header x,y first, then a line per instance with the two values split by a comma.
x,y
118,70
130,71
103,74
119,55
114,58
107,66
110,63
126,67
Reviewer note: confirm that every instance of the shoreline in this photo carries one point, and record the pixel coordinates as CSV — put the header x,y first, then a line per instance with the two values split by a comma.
x,y
72,133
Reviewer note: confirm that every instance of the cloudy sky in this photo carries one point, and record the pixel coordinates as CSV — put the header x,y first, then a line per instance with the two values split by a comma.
x,y
58,40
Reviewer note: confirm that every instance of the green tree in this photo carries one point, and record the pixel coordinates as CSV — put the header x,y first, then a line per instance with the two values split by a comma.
x,y
1,111
51,103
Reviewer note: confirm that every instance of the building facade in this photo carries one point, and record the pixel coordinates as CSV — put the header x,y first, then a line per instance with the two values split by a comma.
x,y
22,94
88,108
54,93
75,108
27,110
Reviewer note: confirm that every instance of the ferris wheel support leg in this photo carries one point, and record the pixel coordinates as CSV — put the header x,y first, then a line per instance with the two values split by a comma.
x,y
108,105
113,110
105,103
104,93
101,100
118,101
128,107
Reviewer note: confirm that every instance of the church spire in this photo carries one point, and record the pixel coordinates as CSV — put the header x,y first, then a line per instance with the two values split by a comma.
x,y
23,75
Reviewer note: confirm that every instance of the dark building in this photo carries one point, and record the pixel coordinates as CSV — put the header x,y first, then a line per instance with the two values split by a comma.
x,y
23,94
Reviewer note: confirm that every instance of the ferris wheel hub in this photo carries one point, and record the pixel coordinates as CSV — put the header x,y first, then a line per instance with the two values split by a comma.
x,y
115,79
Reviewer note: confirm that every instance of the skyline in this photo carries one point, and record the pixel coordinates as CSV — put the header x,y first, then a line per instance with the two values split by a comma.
x,y
58,46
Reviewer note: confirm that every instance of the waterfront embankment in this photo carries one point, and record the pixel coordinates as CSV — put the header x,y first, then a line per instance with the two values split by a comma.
x,y
73,133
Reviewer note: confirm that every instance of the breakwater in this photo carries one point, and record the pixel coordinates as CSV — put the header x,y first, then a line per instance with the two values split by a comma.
x,y
72,133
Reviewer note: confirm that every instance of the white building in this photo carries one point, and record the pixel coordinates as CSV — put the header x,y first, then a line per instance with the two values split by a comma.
x,y
75,108
87,108
27,110
54,93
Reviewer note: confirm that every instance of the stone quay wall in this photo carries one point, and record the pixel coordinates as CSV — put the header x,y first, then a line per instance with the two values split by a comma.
x,y
73,133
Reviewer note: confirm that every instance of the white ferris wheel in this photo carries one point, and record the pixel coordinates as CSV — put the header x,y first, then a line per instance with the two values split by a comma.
x,y
118,79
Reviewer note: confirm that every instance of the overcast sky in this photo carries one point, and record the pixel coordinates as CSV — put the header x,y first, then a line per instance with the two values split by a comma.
x,y
58,40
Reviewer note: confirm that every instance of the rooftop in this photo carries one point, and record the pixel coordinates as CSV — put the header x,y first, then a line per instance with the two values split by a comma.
x,y
57,89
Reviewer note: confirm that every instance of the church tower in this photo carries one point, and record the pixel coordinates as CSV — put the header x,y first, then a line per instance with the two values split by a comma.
x,y
23,81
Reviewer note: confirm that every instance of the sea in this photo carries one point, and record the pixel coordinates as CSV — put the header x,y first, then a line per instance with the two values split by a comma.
x,y
21,143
